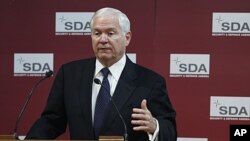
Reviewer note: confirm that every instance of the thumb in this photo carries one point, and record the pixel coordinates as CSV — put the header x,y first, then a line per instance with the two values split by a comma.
x,y
144,104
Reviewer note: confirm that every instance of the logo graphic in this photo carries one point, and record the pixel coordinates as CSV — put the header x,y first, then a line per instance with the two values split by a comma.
x,y
231,24
32,64
229,108
189,65
73,23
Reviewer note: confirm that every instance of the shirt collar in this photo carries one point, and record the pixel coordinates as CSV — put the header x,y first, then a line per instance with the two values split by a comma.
x,y
115,70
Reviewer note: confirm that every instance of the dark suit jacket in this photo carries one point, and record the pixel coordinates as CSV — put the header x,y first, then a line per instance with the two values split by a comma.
x,y
69,103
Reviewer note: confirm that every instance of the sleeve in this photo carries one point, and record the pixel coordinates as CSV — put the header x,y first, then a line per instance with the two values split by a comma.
x,y
161,109
154,137
52,122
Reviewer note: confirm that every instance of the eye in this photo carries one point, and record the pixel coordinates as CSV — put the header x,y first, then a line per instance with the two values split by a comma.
x,y
110,33
96,33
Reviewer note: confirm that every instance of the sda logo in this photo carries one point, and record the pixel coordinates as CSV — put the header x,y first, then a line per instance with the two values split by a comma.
x,y
189,65
73,23
229,108
231,24
36,64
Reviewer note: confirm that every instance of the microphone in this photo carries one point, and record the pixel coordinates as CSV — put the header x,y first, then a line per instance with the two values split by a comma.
x,y
97,81
47,75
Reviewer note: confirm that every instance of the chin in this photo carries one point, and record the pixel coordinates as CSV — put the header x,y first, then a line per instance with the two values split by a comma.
x,y
105,57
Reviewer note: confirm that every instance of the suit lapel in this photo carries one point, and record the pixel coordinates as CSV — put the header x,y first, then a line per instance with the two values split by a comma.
x,y
123,91
125,86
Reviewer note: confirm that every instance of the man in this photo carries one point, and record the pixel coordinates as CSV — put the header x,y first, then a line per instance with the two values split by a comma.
x,y
138,93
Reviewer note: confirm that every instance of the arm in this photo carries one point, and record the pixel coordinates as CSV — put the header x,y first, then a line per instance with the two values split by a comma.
x,y
160,108
52,122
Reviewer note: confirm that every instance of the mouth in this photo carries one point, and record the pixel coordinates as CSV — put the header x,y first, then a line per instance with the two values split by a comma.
x,y
104,50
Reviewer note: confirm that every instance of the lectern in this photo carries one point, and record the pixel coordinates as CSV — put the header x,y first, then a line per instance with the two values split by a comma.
x,y
7,137
111,138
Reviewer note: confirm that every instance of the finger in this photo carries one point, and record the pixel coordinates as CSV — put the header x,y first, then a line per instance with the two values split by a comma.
x,y
140,122
141,128
139,116
139,111
140,125
144,104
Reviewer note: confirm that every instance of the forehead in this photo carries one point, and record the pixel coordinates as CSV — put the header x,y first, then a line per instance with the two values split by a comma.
x,y
107,21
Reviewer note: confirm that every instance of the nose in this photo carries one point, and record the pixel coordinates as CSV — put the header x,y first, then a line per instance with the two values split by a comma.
x,y
104,38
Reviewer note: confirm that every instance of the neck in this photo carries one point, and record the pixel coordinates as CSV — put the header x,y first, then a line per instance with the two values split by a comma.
x,y
107,63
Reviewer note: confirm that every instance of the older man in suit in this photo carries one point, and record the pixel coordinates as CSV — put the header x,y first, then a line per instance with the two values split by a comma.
x,y
138,93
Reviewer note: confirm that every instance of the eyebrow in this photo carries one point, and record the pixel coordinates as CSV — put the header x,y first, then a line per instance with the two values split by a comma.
x,y
105,30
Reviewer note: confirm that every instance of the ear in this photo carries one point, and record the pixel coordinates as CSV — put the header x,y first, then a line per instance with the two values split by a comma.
x,y
128,37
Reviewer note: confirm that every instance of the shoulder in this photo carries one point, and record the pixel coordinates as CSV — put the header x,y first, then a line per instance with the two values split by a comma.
x,y
81,61
77,66
143,74
147,73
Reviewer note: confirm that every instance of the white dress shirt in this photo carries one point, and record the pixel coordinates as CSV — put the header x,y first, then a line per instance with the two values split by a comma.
x,y
113,77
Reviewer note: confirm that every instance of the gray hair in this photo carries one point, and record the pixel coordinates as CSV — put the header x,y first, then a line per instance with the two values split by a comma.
x,y
122,18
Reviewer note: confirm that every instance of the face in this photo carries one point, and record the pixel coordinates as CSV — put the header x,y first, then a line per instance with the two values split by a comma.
x,y
108,41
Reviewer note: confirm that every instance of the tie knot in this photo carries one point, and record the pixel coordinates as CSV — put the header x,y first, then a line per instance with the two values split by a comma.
x,y
105,72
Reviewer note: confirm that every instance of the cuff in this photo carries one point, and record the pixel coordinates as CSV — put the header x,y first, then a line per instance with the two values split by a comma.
x,y
153,137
